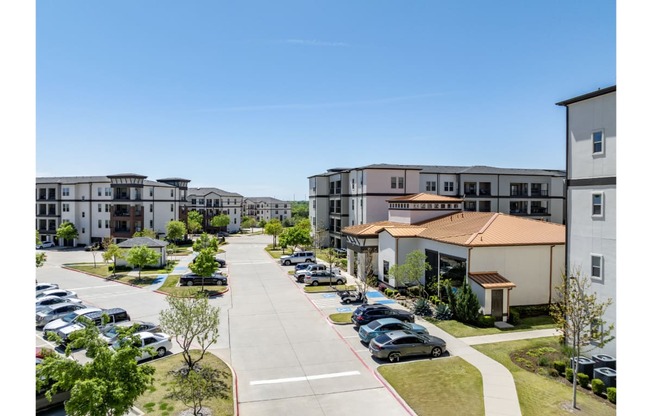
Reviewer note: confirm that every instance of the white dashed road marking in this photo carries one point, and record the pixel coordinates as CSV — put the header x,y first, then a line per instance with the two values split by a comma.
x,y
305,378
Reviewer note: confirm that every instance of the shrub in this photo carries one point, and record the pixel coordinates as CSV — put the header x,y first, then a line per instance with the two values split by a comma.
x,y
414,291
597,386
434,300
467,309
486,321
583,379
514,316
543,361
422,308
552,372
611,394
569,374
390,293
560,366
443,312
532,310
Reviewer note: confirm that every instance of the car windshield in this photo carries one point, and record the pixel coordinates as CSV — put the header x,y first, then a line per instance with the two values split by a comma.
x,y
70,317
373,325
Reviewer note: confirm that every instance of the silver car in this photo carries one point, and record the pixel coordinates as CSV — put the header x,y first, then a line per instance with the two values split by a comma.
x,y
45,301
110,332
42,287
62,293
68,319
397,344
55,312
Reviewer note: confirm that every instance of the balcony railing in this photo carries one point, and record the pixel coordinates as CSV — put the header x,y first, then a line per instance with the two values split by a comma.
x,y
543,192
539,211
518,193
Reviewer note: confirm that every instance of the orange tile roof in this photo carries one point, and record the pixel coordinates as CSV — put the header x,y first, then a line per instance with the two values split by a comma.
x,y
490,280
424,197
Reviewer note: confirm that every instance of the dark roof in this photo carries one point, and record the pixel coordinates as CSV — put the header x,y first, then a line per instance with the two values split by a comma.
x,y
491,280
425,169
597,93
71,180
206,191
142,241
266,199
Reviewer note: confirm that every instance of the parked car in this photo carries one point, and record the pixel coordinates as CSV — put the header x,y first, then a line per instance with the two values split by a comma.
x,y
159,341
340,252
301,266
298,257
45,244
191,279
220,262
223,234
45,301
62,293
367,313
396,344
383,325
110,332
112,316
313,267
68,319
55,312
94,246
43,403
315,278
42,287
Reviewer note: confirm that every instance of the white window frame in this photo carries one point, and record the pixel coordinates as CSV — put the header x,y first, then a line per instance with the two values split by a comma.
x,y
65,207
593,142
593,205
65,191
600,277
392,183
446,186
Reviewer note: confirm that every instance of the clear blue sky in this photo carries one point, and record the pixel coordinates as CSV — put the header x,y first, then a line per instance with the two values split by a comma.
x,y
255,96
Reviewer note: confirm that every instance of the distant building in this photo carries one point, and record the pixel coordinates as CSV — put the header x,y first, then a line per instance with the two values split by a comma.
x,y
211,202
266,208
344,197
591,195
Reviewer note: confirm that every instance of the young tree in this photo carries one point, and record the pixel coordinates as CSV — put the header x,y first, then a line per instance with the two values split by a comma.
x,y
300,210
220,221
113,253
141,256
579,317
204,264
106,242
248,222
40,259
170,249
411,271
195,221
467,305
365,270
191,321
205,241
109,384
175,230
274,228
94,249
298,236
67,231
194,387
283,240
147,232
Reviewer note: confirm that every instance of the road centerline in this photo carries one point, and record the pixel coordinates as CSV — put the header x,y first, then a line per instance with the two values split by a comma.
x,y
304,378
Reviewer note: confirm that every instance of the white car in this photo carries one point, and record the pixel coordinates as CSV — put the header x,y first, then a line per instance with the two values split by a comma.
x,y
45,244
45,301
42,287
158,341
62,293
68,319
315,278
56,312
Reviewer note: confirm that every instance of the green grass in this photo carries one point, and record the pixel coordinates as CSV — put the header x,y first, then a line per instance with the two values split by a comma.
x,y
542,395
154,401
460,330
146,278
170,287
341,318
326,289
443,386
277,252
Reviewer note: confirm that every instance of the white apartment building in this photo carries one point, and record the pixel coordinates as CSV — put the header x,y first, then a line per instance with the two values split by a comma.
x,y
344,197
211,202
591,194
103,206
266,208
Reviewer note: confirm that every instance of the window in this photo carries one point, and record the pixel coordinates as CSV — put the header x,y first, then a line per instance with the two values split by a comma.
x,y
151,223
83,230
431,186
83,214
99,223
107,191
106,207
598,142
597,203
171,192
65,207
171,207
99,191
99,207
596,266
151,207
151,191
65,191
400,182
393,183
106,223
448,186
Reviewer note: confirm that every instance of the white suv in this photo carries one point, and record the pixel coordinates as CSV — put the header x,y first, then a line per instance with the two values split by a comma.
x,y
315,278
298,257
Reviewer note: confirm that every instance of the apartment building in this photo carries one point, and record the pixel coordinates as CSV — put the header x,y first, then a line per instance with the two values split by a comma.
x,y
113,205
591,194
342,197
266,208
211,202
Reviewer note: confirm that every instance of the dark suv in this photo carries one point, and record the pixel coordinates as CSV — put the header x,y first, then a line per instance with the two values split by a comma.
x,y
367,313
191,279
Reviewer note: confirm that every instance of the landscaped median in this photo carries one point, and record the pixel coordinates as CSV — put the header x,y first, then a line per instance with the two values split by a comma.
x,y
171,287
147,276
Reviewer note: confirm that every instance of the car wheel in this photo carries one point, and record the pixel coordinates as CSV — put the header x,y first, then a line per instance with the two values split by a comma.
x,y
286,263
394,357
339,282
436,352
347,301
309,261
315,283
189,283
160,352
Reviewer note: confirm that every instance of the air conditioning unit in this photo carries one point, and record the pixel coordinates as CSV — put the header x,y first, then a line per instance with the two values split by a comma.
x,y
607,375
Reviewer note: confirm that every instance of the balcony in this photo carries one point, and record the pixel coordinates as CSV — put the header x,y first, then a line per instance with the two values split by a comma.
x,y
121,197
543,192
518,193
539,211
121,213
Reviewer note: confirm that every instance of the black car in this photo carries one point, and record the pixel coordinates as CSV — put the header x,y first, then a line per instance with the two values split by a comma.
x,y
367,313
191,279
220,262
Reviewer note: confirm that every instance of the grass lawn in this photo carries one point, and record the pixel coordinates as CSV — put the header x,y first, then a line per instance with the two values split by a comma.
x,y
170,287
326,289
277,252
442,386
542,395
147,277
341,318
154,401
460,330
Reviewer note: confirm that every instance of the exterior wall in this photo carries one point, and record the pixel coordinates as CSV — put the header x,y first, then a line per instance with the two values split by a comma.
x,y
528,267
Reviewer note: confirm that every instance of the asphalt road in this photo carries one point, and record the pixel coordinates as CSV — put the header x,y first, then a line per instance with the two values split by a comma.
x,y
287,357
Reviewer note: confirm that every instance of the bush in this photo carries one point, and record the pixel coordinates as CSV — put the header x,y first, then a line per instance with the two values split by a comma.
x,y
422,308
382,287
552,372
543,361
486,321
597,386
434,300
560,366
569,374
583,379
443,312
514,316
414,291
532,310
390,293
611,394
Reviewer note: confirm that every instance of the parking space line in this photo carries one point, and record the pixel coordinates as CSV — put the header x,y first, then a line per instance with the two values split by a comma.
x,y
304,378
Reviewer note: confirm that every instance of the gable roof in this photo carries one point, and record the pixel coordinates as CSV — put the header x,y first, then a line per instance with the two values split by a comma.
x,y
142,241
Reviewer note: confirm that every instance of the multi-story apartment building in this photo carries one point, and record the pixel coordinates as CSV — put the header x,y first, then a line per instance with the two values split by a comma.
x,y
266,208
591,194
211,202
343,197
103,206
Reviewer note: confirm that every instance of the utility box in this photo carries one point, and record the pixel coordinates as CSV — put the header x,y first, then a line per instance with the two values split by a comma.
x,y
604,360
607,375
585,365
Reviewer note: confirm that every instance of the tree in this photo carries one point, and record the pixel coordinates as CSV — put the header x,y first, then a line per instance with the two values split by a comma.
x,y
365,270
40,259
283,239
141,256
248,222
147,232
411,271
220,221
205,241
67,231
274,228
176,230
467,305
109,384
297,236
113,253
193,387
195,221
579,317
204,264
106,242
191,321
300,210
170,249
94,248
